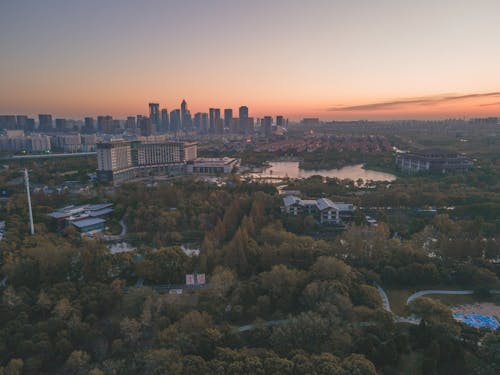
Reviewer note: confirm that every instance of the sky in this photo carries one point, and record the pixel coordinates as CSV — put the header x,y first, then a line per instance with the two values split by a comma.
x,y
333,59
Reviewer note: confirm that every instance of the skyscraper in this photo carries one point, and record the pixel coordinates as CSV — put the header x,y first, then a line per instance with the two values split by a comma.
x,y
45,123
61,124
186,122
175,120
130,124
154,114
165,123
204,122
214,119
266,125
89,125
228,116
243,111
146,127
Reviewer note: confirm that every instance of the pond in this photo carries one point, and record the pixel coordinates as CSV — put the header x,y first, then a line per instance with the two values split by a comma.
x,y
291,169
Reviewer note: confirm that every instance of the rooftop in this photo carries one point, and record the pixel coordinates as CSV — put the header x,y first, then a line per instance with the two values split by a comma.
x,y
87,222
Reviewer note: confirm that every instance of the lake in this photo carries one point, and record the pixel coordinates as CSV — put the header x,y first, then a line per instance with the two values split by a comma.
x,y
290,169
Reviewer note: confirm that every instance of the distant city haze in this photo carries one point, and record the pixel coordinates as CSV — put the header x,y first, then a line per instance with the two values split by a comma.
x,y
332,59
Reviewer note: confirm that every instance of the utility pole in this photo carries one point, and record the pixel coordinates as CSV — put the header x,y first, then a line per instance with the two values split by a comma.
x,y
27,184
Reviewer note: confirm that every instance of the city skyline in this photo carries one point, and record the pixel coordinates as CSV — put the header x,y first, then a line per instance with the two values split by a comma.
x,y
337,60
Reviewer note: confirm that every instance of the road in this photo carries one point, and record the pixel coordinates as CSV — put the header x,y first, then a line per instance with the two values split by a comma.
x,y
269,323
118,237
48,156
387,307
414,296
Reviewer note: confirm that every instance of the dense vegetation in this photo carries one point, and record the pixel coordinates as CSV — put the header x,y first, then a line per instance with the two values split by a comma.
x,y
71,307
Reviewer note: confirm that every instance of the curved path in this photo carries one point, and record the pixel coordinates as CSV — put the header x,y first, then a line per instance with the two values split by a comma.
x,y
387,307
414,296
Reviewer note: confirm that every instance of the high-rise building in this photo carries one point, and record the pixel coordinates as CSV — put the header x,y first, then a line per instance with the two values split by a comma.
x,y
186,121
105,124
228,117
146,126
114,161
21,122
130,124
175,120
8,122
89,125
197,121
214,119
45,123
154,114
30,125
165,122
120,160
204,122
266,125
61,124
243,112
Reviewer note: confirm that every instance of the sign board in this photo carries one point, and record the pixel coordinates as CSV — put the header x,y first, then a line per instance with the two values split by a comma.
x,y
175,291
190,279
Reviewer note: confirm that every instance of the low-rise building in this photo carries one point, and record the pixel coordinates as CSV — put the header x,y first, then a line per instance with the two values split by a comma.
x,y
440,161
212,165
83,217
323,209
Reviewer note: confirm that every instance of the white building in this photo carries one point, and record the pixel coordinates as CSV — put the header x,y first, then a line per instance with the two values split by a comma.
x,y
323,209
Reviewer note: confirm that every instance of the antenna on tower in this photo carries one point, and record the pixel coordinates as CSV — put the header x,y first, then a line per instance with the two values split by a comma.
x,y
27,184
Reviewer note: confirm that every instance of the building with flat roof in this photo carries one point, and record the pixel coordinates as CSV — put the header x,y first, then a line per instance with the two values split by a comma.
x,y
90,225
123,160
440,161
212,165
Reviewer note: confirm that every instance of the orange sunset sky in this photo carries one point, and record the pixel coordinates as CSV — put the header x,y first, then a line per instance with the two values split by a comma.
x,y
333,59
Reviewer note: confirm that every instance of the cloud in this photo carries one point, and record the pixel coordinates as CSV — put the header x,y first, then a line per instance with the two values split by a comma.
x,y
489,104
422,101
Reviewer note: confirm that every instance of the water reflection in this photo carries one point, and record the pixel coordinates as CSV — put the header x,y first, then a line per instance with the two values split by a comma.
x,y
290,169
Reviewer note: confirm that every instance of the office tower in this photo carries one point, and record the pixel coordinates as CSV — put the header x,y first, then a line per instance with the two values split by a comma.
x,y
197,121
250,125
228,117
175,120
280,121
186,121
154,114
204,122
45,123
146,126
235,125
266,125
60,124
165,123
88,125
243,112
214,119
130,124
105,124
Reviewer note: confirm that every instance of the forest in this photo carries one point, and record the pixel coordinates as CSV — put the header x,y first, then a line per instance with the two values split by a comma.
x,y
277,302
